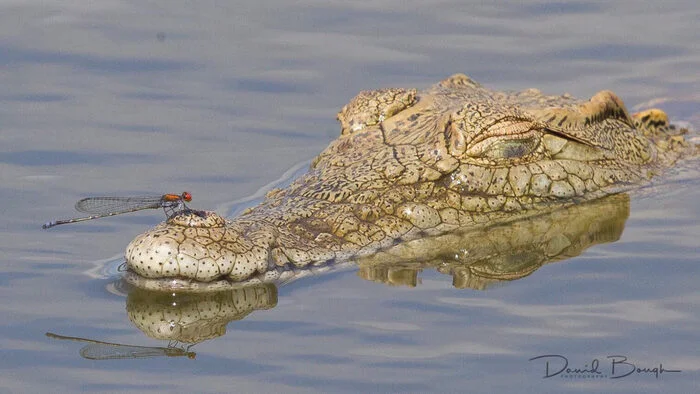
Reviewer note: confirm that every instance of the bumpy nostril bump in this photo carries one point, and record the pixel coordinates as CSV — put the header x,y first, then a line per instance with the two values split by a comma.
x,y
193,218
197,245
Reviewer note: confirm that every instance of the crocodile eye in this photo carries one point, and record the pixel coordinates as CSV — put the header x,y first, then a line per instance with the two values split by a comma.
x,y
506,149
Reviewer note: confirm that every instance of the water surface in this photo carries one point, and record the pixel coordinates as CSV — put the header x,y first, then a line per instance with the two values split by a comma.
x,y
221,99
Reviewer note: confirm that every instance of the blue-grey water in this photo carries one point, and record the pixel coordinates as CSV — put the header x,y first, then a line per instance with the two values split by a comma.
x,y
221,98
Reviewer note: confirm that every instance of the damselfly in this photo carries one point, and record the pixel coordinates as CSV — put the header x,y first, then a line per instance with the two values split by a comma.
x,y
98,350
99,207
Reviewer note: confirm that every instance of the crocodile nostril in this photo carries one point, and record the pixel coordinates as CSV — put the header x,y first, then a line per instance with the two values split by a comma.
x,y
193,218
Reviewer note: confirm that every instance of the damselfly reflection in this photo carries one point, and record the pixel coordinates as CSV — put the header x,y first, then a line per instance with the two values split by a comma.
x,y
99,350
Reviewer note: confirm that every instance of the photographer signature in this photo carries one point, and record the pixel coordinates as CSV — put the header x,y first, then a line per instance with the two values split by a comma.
x,y
619,367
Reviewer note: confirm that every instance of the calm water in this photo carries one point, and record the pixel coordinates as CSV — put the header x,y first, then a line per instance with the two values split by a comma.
x,y
143,97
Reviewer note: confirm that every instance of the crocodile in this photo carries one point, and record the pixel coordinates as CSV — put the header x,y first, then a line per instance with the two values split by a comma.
x,y
411,165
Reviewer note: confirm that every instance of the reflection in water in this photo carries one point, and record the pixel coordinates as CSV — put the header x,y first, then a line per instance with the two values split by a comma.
x,y
193,318
475,258
179,318
98,350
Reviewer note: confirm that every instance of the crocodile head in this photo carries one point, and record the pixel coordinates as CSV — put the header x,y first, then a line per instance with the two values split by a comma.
x,y
413,164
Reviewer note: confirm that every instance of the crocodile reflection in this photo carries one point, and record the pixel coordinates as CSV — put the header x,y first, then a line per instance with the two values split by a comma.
x,y
193,318
183,320
478,258
474,259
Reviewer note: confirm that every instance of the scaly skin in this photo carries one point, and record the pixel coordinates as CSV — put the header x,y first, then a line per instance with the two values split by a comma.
x,y
412,164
